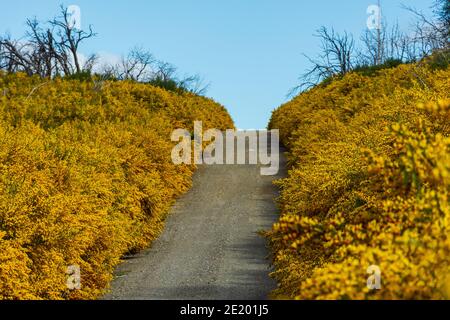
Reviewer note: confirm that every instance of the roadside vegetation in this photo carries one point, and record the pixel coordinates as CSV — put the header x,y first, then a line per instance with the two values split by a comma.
x,y
368,183
86,174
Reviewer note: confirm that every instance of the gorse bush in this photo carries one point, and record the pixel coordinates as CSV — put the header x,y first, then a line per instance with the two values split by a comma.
x,y
369,184
85,177
369,70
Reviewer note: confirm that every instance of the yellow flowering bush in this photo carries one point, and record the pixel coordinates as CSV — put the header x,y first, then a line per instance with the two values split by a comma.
x,y
368,185
85,177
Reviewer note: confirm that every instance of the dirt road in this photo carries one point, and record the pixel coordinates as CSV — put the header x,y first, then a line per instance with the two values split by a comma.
x,y
210,248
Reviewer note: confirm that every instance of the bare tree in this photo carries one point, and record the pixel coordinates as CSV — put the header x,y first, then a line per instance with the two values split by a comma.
x,y
137,66
166,75
441,9
385,44
52,49
372,50
41,41
194,84
336,58
16,56
432,33
339,56
379,36
47,50
70,37
165,71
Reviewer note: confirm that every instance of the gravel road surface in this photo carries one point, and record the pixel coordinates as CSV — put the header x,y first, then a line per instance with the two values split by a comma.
x,y
210,248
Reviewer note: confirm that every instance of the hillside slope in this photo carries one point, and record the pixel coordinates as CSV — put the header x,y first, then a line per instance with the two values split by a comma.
x,y
368,185
85,177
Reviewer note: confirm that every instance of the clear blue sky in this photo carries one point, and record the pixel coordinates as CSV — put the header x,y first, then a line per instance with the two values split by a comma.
x,y
250,50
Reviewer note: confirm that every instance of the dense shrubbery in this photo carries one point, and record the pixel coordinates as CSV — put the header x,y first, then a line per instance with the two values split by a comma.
x,y
369,184
372,70
85,176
